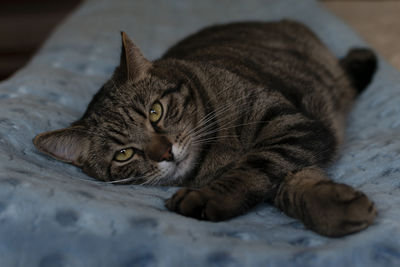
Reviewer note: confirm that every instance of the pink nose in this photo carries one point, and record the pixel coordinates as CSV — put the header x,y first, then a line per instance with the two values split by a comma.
x,y
167,156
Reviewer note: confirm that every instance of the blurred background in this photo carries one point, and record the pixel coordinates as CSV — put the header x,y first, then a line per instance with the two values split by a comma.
x,y
25,25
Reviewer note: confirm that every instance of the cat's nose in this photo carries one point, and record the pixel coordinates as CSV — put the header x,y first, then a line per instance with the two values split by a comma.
x,y
160,149
168,156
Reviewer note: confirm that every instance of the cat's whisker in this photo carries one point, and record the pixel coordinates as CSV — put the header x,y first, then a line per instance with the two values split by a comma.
x,y
231,127
202,122
213,138
153,181
130,179
197,139
207,125
217,112
94,181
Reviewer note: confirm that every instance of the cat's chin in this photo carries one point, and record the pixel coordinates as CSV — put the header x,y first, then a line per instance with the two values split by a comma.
x,y
174,172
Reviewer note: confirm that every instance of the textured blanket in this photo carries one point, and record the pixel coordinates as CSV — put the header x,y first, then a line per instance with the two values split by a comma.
x,y
51,214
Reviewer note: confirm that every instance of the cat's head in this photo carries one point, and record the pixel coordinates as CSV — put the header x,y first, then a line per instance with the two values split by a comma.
x,y
138,128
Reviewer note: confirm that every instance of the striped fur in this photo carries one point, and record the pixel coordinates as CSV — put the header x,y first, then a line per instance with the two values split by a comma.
x,y
251,112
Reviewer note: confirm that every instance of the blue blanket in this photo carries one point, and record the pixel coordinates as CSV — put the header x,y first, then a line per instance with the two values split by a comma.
x,y
51,214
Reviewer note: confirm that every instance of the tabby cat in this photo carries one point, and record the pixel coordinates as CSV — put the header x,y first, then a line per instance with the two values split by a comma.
x,y
236,114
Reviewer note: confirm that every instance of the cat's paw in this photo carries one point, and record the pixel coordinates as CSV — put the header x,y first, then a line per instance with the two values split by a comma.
x,y
199,204
337,209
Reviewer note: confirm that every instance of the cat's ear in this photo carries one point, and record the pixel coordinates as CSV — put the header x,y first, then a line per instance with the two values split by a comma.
x,y
133,64
69,144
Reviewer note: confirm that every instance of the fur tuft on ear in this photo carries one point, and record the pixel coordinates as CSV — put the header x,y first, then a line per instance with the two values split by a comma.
x,y
133,64
69,144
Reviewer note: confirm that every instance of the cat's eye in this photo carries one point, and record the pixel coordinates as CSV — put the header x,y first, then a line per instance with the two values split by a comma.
x,y
124,154
155,112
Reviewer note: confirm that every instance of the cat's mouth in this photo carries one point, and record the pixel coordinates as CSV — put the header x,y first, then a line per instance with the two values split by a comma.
x,y
181,160
180,167
177,170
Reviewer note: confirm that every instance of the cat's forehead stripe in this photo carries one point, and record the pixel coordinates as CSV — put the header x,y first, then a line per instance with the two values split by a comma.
x,y
138,111
172,90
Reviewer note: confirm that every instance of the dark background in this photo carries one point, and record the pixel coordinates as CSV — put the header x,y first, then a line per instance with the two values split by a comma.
x,y
25,25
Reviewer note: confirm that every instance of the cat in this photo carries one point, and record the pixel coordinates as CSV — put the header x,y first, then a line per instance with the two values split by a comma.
x,y
236,114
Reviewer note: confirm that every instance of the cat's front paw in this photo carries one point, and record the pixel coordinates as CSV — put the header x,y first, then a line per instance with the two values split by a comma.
x,y
199,204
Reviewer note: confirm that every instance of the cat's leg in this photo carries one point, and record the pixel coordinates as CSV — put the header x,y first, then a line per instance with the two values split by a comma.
x,y
324,206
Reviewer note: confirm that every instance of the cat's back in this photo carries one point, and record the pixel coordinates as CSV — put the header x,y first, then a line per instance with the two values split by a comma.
x,y
245,39
253,49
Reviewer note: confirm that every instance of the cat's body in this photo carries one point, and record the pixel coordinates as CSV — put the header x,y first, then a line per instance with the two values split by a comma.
x,y
238,113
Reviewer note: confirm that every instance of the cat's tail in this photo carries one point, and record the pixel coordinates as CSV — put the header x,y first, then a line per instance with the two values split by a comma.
x,y
360,64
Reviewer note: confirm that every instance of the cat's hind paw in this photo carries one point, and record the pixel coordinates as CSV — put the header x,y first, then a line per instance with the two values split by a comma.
x,y
328,208
338,209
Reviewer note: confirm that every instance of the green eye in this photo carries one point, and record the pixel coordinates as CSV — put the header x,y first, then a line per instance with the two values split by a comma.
x,y
155,112
124,155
